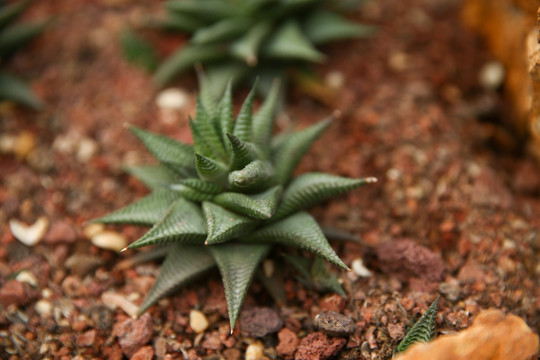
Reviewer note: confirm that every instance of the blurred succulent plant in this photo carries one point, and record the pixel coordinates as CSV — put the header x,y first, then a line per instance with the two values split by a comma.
x,y
423,330
228,198
240,38
12,37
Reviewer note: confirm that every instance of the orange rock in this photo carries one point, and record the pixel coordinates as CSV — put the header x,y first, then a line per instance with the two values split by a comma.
x,y
493,336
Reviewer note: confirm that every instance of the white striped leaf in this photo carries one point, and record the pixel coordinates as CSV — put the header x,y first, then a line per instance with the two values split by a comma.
x,y
224,225
258,206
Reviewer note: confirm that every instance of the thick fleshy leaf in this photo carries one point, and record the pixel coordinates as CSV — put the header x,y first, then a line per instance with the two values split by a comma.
x,y
183,223
423,330
299,230
237,264
257,206
9,12
146,211
138,51
242,126
208,9
309,189
189,193
243,152
184,59
226,113
288,42
211,170
293,148
180,22
208,134
254,176
153,176
184,263
221,31
220,73
15,36
263,120
174,154
202,186
247,47
208,96
323,279
14,89
224,225
325,26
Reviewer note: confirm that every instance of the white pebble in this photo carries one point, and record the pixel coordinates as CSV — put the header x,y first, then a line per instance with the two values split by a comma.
x,y
335,80
27,277
172,99
359,268
198,321
44,308
255,351
492,75
93,229
29,235
109,240
114,300
87,149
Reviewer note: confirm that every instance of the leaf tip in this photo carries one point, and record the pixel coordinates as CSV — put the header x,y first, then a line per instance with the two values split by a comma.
x,y
371,180
124,249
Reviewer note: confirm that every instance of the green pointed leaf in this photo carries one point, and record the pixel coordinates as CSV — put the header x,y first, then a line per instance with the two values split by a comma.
x,y
138,51
309,189
254,176
191,194
224,225
237,264
172,153
247,47
180,22
146,211
263,121
221,31
210,10
257,206
199,143
323,279
226,113
183,223
243,152
211,170
207,134
15,36
220,73
10,12
153,176
423,330
184,263
202,186
242,127
14,89
208,96
293,148
184,59
299,230
326,26
288,42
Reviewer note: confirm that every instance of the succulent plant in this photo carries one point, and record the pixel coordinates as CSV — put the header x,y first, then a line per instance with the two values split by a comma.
x,y
229,198
423,330
239,38
12,37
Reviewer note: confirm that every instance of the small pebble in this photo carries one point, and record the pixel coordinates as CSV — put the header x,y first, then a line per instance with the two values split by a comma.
x,y
144,353
255,351
44,308
172,99
260,321
109,240
29,235
87,148
116,300
27,277
335,80
134,333
198,321
492,75
334,324
359,268
93,229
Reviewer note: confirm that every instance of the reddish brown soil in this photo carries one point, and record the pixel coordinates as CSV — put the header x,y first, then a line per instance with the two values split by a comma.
x,y
455,212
